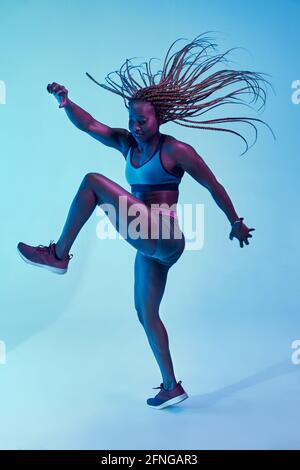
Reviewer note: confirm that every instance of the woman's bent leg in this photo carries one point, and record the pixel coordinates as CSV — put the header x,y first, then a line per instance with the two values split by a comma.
x,y
94,190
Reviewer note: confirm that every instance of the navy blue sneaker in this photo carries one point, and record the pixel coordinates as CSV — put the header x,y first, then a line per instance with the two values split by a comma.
x,y
166,398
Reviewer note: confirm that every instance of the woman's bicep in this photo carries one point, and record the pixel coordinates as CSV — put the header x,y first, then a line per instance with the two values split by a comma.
x,y
117,138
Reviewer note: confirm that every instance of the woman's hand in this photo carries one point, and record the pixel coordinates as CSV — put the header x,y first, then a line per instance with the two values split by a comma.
x,y
60,93
241,232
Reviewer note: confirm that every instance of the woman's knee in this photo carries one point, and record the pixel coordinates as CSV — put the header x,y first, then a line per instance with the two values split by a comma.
x,y
148,319
90,179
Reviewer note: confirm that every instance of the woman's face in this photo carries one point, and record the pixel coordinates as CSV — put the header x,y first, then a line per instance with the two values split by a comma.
x,y
142,120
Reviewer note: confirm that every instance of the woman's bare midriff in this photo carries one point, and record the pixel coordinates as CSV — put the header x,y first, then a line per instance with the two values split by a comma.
x,y
169,198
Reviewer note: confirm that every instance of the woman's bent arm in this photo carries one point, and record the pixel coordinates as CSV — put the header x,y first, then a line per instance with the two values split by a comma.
x,y
78,116
190,161
111,137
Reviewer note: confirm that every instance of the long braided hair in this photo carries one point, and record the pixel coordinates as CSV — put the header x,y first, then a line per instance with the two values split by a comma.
x,y
177,95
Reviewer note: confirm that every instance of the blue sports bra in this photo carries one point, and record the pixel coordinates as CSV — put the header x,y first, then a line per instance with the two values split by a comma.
x,y
151,175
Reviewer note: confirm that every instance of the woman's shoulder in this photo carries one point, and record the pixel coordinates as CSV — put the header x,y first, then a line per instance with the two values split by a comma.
x,y
170,155
173,145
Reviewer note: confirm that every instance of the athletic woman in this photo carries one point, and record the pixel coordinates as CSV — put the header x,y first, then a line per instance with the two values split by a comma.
x,y
154,165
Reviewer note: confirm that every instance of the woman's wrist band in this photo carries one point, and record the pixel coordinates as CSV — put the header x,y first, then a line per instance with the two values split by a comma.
x,y
240,219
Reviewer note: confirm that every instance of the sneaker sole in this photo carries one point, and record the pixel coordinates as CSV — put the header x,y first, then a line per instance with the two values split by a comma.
x,y
172,401
50,268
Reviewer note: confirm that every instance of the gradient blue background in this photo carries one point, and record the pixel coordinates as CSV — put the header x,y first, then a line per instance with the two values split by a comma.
x,y
79,367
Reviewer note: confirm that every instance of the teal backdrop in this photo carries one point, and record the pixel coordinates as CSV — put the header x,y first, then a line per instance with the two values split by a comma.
x,y
78,367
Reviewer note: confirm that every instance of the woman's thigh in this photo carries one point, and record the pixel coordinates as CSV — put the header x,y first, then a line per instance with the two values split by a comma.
x,y
130,216
155,235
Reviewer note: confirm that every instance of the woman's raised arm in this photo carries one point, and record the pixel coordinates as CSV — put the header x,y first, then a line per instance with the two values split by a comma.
x,y
112,137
